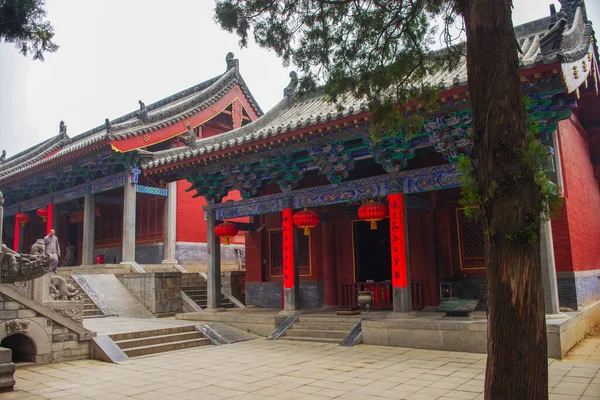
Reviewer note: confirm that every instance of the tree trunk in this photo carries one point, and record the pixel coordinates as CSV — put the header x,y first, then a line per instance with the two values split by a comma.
x,y
517,365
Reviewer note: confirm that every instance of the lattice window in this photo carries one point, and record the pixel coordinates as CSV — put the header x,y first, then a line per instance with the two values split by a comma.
x,y
276,245
471,241
301,252
148,223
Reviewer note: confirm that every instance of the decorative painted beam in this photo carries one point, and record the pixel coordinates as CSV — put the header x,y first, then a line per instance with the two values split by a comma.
x,y
413,181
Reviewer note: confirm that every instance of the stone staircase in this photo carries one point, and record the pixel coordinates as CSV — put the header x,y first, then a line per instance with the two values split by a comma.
x,y
319,329
144,343
90,309
195,287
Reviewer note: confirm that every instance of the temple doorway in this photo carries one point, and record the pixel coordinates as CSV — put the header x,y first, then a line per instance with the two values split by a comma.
x,y
23,348
372,252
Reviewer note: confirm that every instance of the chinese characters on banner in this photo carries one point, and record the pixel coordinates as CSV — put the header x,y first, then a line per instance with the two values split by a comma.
x,y
288,248
396,209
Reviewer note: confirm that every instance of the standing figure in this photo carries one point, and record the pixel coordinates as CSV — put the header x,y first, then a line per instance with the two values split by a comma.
x,y
52,249
69,259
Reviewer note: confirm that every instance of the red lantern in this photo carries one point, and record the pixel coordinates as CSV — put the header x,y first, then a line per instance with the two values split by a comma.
x,y
306,219
226,230
42,213
22,219
372,211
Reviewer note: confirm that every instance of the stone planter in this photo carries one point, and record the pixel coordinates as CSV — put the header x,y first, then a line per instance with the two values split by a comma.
x,y
365,298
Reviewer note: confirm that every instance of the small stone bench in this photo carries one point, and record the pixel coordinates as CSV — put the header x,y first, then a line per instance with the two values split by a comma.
x,y
457,307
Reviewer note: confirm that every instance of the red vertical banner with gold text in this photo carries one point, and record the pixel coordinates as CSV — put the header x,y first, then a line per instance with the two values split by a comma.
x,y
50,218
287,227
397,240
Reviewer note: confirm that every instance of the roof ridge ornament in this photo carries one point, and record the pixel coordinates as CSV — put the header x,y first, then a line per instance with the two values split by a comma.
x,y
2,159
189,138
62,128
107,125
142,113
289,91
231,61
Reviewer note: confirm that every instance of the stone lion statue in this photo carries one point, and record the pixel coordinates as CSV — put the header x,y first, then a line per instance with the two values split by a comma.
x,y
61,290
38,247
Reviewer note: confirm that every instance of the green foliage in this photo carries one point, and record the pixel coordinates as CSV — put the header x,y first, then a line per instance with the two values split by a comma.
x,y
23,22
377,50
471,198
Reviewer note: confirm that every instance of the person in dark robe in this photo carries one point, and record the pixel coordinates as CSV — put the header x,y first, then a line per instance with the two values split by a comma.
x,y
52,249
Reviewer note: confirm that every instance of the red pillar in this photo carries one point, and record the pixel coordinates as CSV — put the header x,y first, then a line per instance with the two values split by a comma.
x,y
288,248
329,278
401,291
17,233
291,289
50,218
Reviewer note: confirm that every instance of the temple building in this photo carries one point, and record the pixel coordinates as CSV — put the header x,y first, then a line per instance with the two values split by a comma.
x,y
315,184
89,188
325,209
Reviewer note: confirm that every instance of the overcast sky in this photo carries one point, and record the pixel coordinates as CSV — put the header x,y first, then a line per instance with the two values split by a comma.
x,y
116,52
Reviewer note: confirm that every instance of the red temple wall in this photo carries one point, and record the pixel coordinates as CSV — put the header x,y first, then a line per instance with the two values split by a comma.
x,y
578,236
191,226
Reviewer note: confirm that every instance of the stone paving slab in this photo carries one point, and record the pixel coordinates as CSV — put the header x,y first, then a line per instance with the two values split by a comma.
x,y
260,369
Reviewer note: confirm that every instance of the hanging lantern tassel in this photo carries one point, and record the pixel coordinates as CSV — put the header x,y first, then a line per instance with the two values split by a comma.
x,y
43,213
372,211
306,219
22,219
226,230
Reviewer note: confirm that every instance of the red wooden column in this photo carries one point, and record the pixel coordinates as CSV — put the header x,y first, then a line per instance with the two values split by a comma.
x,y
50,218
329,278
291,293
402,299
17,234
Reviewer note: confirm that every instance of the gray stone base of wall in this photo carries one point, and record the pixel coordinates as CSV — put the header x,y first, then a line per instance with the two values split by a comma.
x,y
575,289
578,289
471,335
269,294
185,252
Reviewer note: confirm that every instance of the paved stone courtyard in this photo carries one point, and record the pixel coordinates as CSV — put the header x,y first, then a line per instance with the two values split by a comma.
x,y
295,370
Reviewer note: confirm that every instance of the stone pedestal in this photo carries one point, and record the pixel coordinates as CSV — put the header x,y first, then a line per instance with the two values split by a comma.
x,y
7,370
41,289
159,292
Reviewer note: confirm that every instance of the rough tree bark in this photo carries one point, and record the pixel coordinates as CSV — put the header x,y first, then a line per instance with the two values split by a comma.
x,y
517,348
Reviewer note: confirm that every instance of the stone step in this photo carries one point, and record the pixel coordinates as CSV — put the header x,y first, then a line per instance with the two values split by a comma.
x,y
323,327
195,292
154,332
94,311
87,306
193,288
163,347
94,316
151,340
328,320
310,339
338,335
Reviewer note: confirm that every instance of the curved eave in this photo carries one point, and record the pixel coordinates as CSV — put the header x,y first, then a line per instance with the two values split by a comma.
x,y
48,163
185,158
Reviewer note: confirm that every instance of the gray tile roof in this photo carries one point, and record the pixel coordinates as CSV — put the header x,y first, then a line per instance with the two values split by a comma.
x,y
162,113
289,116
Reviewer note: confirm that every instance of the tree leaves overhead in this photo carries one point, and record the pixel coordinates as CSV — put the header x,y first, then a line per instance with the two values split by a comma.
x,y
376,49
23,22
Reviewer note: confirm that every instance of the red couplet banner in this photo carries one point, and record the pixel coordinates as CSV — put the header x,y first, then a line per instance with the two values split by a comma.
x,y
288,248
50,218
398,244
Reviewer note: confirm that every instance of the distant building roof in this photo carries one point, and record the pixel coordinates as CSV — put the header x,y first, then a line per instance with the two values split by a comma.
x,y
155,116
